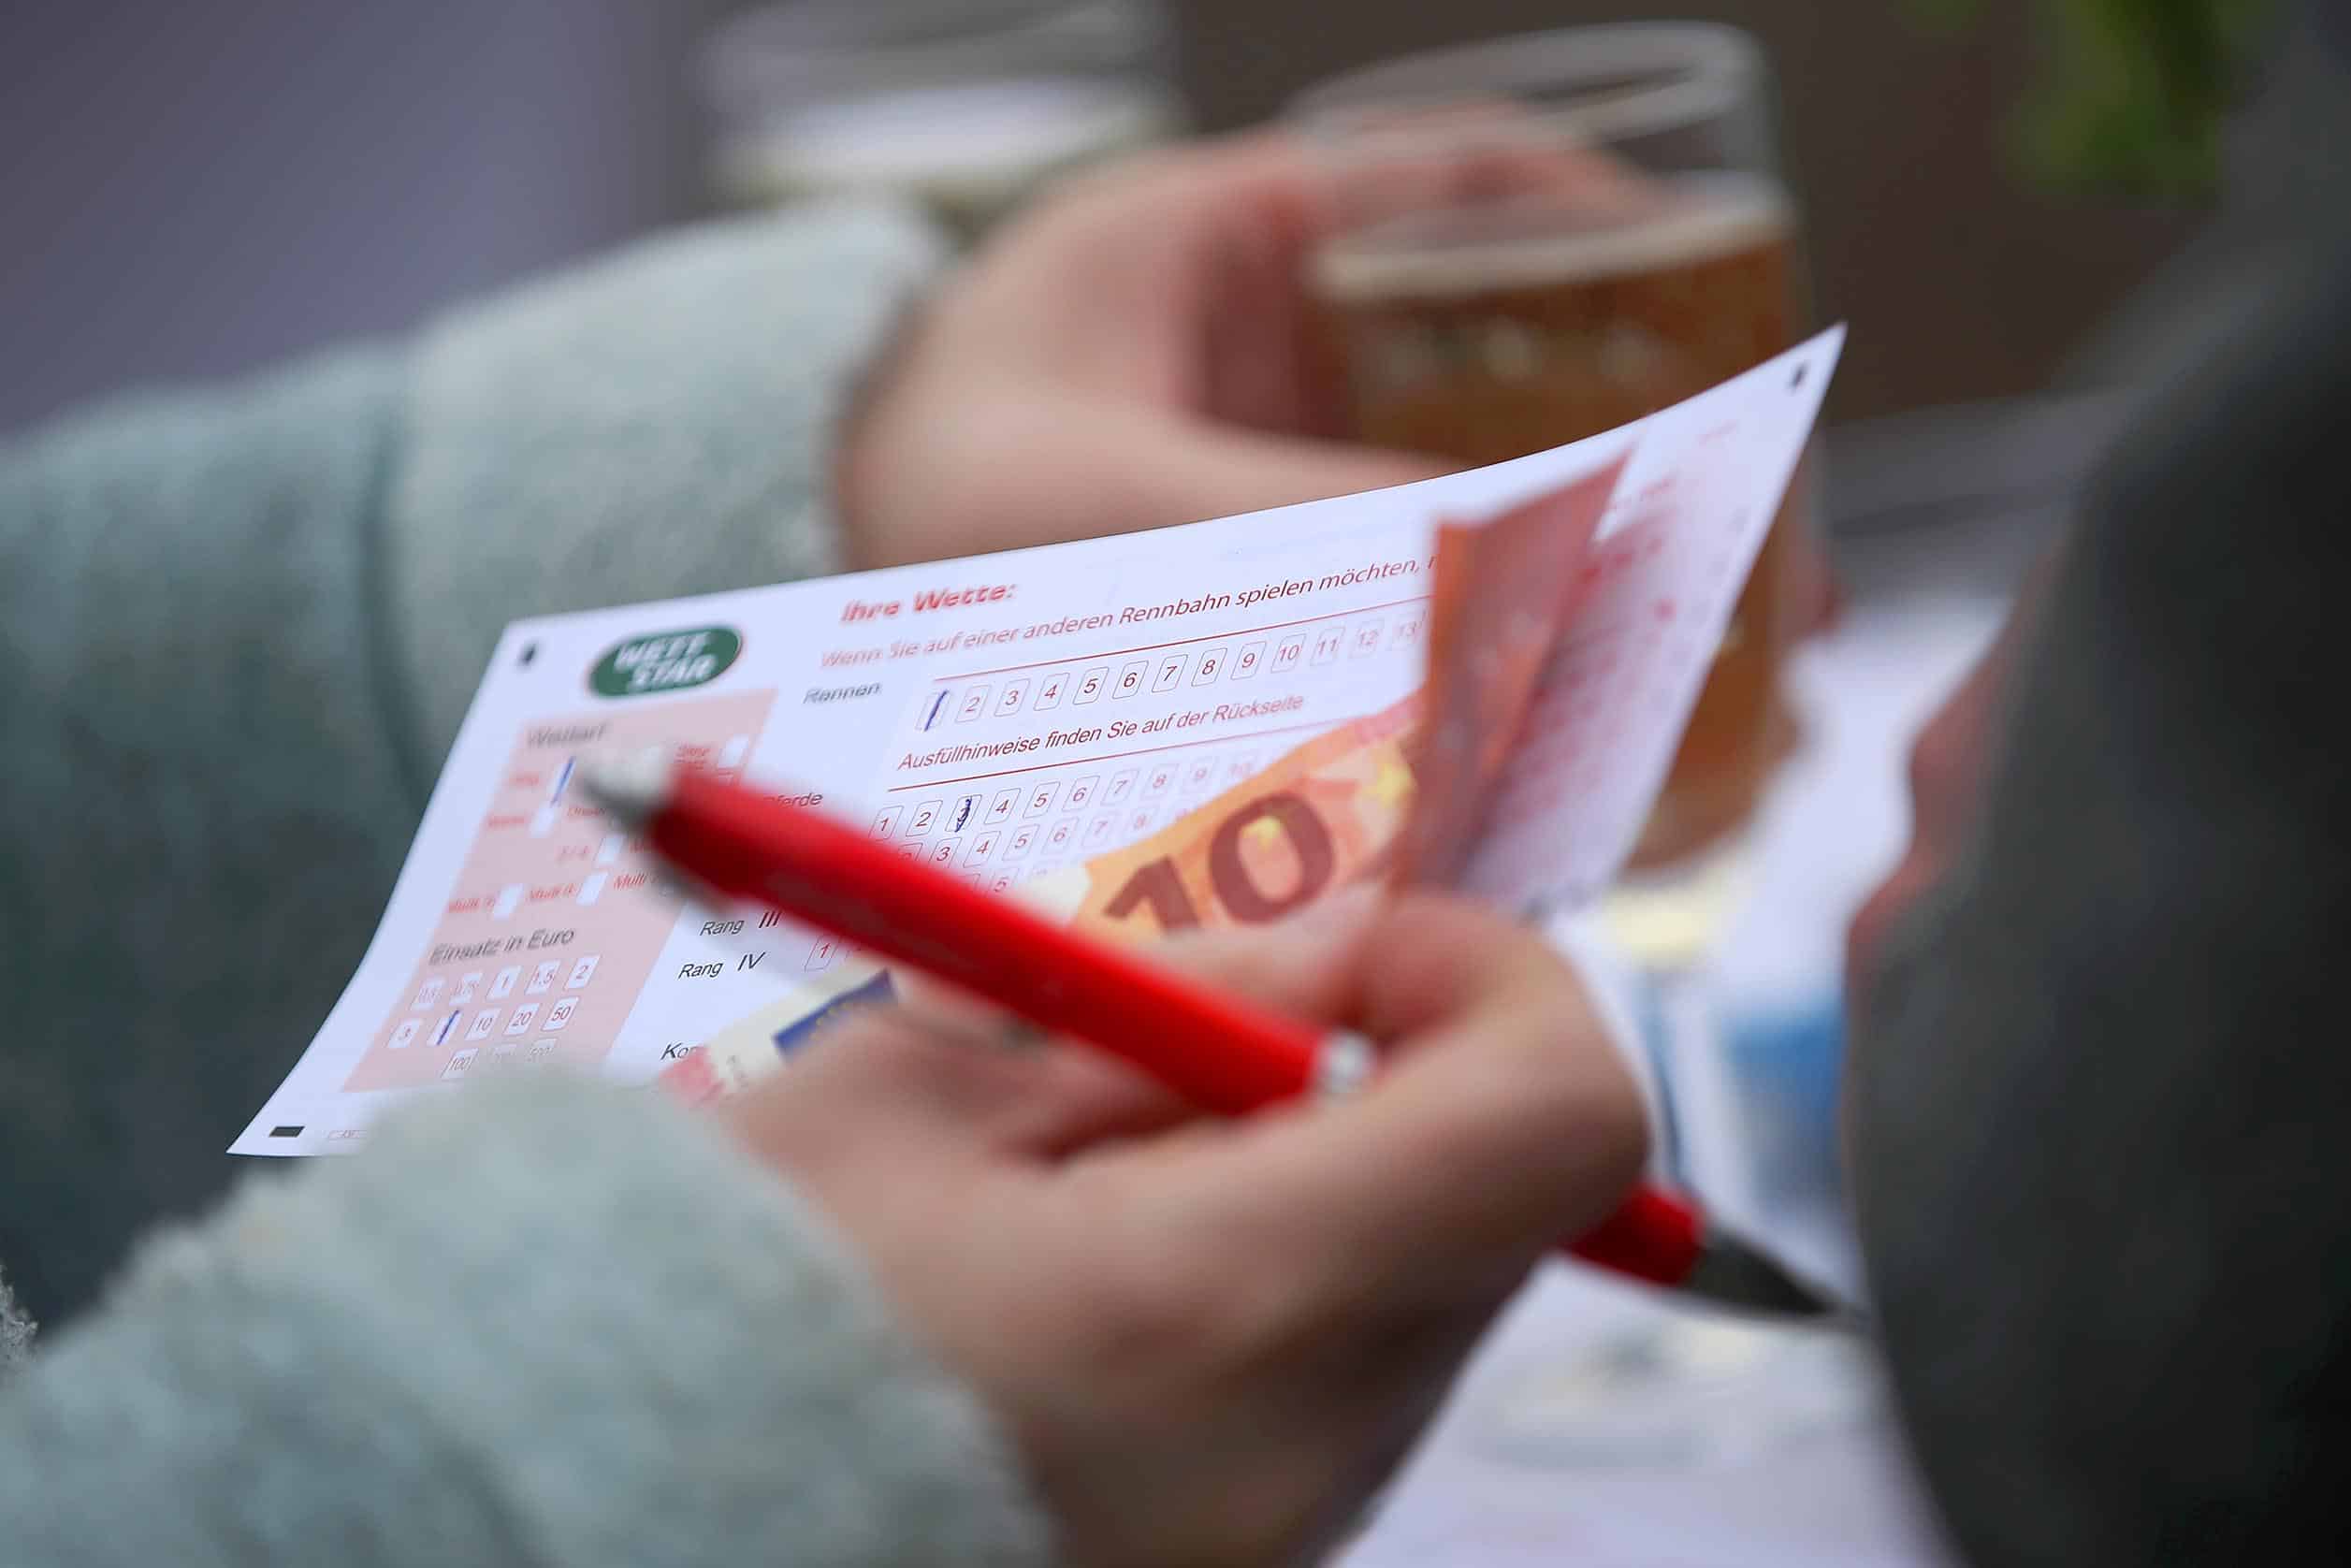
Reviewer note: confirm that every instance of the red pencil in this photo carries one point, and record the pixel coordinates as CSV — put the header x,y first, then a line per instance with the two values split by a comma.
x,y
1220,1054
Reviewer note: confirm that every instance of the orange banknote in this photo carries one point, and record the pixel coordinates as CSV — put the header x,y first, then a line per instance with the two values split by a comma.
x,y
1501,595
1324,814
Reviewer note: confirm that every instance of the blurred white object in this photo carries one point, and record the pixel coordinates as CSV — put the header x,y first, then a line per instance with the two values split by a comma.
x,y
962,105
1542,1458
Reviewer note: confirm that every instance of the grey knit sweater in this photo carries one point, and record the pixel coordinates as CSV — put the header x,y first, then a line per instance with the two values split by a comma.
x,y
240,628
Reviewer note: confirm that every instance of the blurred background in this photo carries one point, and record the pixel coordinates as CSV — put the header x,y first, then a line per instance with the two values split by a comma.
x,y
197,189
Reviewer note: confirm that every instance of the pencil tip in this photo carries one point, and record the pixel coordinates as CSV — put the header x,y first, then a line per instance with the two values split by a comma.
x,y
1734,1273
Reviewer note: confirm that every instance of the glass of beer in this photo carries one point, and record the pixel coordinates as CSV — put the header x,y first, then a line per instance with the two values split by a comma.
x,y
1538,238
1533,240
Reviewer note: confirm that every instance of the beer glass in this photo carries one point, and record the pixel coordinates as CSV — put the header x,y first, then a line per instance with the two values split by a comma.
x,y
1533,240
1539,239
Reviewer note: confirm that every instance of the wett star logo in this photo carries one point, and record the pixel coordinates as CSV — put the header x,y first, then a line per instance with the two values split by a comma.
x,y
665,661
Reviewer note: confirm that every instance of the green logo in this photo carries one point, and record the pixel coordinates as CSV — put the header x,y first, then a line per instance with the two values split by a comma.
x,y
667,661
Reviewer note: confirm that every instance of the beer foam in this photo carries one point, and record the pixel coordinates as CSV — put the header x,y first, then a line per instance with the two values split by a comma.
x,y
1708,217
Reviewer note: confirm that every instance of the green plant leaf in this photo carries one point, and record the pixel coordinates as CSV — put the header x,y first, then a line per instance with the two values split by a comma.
x,y
2132,94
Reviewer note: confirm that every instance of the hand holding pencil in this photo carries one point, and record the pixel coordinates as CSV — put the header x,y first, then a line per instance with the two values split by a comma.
x,y
1209,1339
1217,1052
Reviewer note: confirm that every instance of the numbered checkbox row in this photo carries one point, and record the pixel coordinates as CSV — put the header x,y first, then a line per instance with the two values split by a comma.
x,y
968,851
1159,780
542,979
1165,672
506,1053
436,1033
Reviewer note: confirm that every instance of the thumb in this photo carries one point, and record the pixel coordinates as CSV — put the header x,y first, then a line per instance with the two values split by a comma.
x,y
907,1086
944,1077
1062,1097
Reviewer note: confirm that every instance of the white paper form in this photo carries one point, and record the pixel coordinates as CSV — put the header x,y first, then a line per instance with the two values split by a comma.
x,y
1001,717
1671,554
